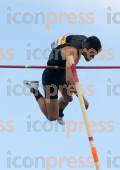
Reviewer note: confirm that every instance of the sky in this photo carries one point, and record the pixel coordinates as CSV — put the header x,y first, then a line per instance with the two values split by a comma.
x,y
27,139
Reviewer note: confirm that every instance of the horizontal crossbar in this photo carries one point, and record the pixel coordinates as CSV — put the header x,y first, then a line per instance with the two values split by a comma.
x,y
57,67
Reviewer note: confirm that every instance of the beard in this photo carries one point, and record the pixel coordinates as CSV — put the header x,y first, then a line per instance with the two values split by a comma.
x,y
87,58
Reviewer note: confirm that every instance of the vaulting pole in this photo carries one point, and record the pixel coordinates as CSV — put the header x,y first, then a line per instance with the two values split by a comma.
x,y
72,65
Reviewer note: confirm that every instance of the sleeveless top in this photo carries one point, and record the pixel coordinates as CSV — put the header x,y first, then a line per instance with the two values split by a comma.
x,y
56,58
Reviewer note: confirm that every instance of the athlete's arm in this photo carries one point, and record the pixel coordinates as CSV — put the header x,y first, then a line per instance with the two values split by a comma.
x,y
69,78
71,51
68,52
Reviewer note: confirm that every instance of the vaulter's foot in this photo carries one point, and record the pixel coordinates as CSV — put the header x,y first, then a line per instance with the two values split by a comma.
x,y
61,121
31,84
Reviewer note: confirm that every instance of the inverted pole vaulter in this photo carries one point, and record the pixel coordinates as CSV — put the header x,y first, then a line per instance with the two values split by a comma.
x,y
72,65
57,67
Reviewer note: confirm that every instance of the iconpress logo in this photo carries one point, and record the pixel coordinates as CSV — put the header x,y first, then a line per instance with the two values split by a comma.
x,y
50,18
113,16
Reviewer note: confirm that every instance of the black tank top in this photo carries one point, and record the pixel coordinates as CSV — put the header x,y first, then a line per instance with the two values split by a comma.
x,y
55,57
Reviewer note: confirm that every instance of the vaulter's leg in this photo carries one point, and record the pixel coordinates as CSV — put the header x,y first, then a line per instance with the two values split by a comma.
x,y
49,107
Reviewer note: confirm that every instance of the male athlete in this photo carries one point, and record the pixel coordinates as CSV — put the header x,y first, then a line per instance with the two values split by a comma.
x,y
60,79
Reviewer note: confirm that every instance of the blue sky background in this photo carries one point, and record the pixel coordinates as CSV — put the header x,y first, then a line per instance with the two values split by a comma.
x,y
101,87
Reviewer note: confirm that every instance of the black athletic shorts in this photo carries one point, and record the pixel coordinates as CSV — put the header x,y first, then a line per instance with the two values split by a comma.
x,y
53,80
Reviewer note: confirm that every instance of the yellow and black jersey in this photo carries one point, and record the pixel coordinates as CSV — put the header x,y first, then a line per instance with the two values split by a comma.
x,y
69,40
55,57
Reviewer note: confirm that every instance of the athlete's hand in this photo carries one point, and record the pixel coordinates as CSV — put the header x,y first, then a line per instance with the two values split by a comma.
x,y
73,89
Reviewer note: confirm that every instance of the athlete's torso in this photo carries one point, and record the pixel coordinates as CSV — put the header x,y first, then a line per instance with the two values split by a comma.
x,y
56,57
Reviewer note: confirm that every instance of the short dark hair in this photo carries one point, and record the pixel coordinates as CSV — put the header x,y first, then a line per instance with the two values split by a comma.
x,y
94,42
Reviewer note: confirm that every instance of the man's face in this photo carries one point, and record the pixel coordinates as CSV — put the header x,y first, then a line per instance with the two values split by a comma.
x,y
89,54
